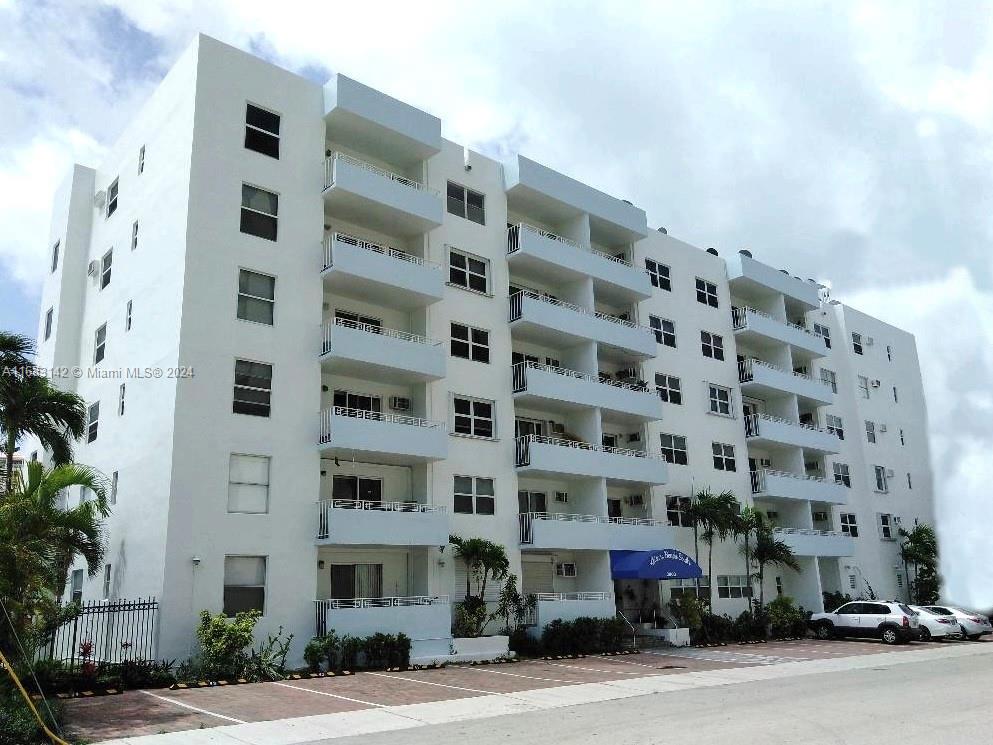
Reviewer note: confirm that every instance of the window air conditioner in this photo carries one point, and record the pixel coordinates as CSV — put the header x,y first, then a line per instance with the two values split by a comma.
x,y
93,269
869,341
634,437
882,427
561,496
100,198
399,403
565,570
875,384
820,517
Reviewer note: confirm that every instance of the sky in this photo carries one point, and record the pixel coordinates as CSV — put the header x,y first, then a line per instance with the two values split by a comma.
x,y
852,143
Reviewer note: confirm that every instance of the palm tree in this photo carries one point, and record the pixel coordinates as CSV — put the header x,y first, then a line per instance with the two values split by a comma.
x,y
16,351
771,550
40,538
716,514
32,405
919,547
748,523
483,560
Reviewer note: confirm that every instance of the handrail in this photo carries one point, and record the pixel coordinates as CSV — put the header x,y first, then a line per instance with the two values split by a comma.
x,y
526,440
332,161
326,506
746,373
513,242
752,424
800,477
634,631
577,518
807,531
380,248
571,596
327,419
386,602
520,376
372,329
739,318
515,309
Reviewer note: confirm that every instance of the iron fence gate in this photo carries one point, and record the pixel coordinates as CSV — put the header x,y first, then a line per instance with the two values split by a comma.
x,y
105,631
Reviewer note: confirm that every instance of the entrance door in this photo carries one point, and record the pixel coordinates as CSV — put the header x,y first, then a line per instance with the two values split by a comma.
x,y
525,427
536,577
349,581
531,501
749,411
358,401
614,508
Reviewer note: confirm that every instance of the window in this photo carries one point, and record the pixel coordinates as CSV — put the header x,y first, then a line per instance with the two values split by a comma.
x,y
712,345
112,198
896,399
733,586
824,332
76,586
120,400
467,271
720,400
889,352
870,431
829,377
856,343
100,344
141,160
851,582
127,317
902,440
880,474
706,292
677,511
910,484
723,456
886,531
849,525
113,488
106,265
470,343
262,131
252,388
357,321
842,475
49,314
107,573
665,330
92,421
134,235
248,483
357,488
474,495
259,212
659,274
466,203
349,581
836,425
55,255
244,584
668,388
682,588
256,297
863,386
473,416
674,449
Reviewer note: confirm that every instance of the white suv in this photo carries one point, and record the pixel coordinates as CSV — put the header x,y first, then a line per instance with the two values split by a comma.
x,y
889,621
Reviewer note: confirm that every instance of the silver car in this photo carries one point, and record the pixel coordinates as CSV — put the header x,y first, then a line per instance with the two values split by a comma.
x,y
973,625
937,626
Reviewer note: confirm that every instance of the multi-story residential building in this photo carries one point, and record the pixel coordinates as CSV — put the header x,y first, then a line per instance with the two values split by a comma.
x,y
316,338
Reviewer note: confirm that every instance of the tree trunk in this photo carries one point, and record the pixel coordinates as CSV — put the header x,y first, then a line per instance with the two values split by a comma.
x,y
696,556
761,587
906,577
710,575
8,487
748,573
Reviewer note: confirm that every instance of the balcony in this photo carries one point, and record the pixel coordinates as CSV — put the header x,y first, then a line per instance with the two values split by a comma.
x,y
775,432
568,606
592,532
553,322
751,277
396,278
535,252
560,390
762,380
361,350
807,542
365,194
782,485
760,329
374,437
351,522
539,455
421,617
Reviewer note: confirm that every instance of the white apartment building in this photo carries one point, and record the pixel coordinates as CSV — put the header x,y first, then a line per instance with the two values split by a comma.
x,y
316,338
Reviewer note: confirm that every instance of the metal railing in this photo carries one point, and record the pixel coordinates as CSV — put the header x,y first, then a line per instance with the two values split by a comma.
x,y
758,478
808,531
521,382
516,301
739,319
331,164
554,597
325,507
323,607
370,328
746,371
328,416
347,239
523,448
514,242
105,631
526,521
753,428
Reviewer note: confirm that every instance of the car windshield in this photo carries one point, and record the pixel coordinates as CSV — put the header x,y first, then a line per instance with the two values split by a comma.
x,y
907,609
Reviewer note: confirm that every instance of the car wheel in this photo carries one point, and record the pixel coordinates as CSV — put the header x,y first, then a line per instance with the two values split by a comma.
x,y
974,637
890,636
824,631
925,634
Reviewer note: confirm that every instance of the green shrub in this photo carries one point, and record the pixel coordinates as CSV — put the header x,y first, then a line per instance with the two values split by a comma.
x,y
688,612
18,725
583,636
834,600
351,647
224,643
613,634
268,661
470,617
716,628
401,651
523,643
785,619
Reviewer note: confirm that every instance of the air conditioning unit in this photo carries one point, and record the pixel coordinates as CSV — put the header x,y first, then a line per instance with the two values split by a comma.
x,y
772,514
635,500
820,517
100,198
634,437
93,269
399,403
557,427
882,427
561,496
565,570
889,473
876,383
869,341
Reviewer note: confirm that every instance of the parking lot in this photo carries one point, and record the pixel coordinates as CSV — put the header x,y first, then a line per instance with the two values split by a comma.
x,y
150,712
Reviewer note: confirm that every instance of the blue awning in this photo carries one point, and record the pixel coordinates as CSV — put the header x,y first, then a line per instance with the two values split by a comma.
x,y
664,563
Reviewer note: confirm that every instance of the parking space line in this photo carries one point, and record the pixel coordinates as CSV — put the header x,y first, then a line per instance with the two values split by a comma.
x,y
331,695
193,708
518,675
591,669
440,685
631,662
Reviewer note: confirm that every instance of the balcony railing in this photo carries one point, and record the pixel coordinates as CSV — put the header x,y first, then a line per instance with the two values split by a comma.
x,y
524,448
739,319
331,164
351,240
514,242
370,328
753,424
746,371
808,531
758,478
520,376
328,415
323,607
526,519
325,506
551,597
516,301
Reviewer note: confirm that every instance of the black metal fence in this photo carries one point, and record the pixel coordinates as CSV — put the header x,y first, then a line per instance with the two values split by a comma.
x,y
105,631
